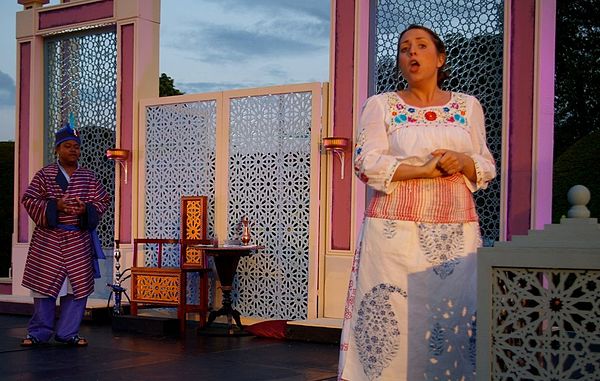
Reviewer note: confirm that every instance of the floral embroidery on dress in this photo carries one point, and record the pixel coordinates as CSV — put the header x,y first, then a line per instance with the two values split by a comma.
x,y
403,116
452,330
478,173
473,341
437,340
376,332
442,245
389,229
351,297
359,157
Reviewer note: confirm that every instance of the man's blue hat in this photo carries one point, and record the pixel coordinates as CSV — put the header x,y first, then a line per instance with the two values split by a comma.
x,y
66,133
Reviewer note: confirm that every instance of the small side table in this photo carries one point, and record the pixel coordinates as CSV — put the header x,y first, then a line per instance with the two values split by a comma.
x,y
226,259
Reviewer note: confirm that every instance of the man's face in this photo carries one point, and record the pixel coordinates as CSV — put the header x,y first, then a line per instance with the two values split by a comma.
x,y
68,152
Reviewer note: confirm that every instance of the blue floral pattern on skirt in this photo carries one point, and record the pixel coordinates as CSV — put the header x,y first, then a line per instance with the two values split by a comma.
x,y
442,245
376,332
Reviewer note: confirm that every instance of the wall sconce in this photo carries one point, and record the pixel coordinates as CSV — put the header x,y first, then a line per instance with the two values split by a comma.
x,y
337,145
120,156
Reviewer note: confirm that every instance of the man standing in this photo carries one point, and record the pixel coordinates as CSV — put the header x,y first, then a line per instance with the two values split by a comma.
x,y
66,202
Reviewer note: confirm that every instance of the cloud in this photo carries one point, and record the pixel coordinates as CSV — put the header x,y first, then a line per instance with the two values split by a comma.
x,y
208,87
263,40
7,107
300,8
7,90
7,123
275,71
234,31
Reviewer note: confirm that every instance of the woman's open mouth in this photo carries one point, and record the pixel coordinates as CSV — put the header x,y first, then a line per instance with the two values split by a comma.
x,y
414,65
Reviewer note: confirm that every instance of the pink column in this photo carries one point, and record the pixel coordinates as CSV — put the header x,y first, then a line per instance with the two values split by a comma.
x,y
363,76
126,126
137,78
520,123
343,122
544,106
530,116
22,154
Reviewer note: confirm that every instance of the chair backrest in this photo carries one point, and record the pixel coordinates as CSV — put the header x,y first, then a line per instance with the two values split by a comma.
x,y
155,242
193,228
155,284
193,217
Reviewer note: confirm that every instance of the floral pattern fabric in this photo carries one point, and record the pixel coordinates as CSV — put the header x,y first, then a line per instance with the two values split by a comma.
x,y
377,333
442,245
410,312
393,133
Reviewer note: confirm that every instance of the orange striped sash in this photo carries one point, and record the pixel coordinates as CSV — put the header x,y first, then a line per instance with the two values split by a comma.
x,y
438,200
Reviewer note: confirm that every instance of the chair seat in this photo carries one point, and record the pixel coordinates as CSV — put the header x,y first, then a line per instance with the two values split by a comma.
x,y
167,286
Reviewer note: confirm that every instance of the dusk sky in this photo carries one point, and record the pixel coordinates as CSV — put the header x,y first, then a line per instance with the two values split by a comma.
x,y
213,45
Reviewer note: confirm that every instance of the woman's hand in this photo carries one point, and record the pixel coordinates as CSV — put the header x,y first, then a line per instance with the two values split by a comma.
x,y
431,168
451,162
428,170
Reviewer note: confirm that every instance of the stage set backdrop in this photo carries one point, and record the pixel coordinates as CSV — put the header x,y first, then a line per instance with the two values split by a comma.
x,y
261,152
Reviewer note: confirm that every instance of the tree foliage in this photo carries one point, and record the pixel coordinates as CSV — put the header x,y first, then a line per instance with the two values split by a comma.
x,y
572,168
7,151
577,111
576,104
167,86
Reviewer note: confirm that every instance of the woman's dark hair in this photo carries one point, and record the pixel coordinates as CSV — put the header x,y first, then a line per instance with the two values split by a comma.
x,y
443,72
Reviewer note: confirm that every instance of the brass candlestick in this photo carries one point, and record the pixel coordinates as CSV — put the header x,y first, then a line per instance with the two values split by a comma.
x,y
245,231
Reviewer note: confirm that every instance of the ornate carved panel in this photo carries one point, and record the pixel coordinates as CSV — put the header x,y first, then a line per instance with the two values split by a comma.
x,y
156,285
269,181
180,160
545,324
193,220
194,255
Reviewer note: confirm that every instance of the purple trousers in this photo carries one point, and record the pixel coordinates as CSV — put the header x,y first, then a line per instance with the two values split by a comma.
x,y
43,325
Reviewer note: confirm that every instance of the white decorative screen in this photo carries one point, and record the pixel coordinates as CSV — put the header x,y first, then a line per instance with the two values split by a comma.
x,y
180,161
269,181
545,324
473,32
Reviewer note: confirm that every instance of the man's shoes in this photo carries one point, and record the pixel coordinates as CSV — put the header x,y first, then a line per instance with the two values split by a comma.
x,y
30,341
75,341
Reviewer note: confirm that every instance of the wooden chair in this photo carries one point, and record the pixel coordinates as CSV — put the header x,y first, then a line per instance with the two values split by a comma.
x,y
193,260
155,285
164,286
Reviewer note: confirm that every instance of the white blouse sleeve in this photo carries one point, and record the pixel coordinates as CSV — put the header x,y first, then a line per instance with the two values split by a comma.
x,y
373,163
485,166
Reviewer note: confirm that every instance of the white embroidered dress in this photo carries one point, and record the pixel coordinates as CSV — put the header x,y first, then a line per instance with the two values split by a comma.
x,y
410,312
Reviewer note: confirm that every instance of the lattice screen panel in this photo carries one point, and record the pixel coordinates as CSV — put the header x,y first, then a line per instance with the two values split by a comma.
x,y
545,324
473,33
81,78
269,181
180,160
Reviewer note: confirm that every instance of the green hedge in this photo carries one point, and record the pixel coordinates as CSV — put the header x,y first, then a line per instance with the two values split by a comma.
x,y
7,151
577,165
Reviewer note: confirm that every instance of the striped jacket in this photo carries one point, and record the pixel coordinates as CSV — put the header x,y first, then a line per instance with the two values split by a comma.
x,y
55,253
